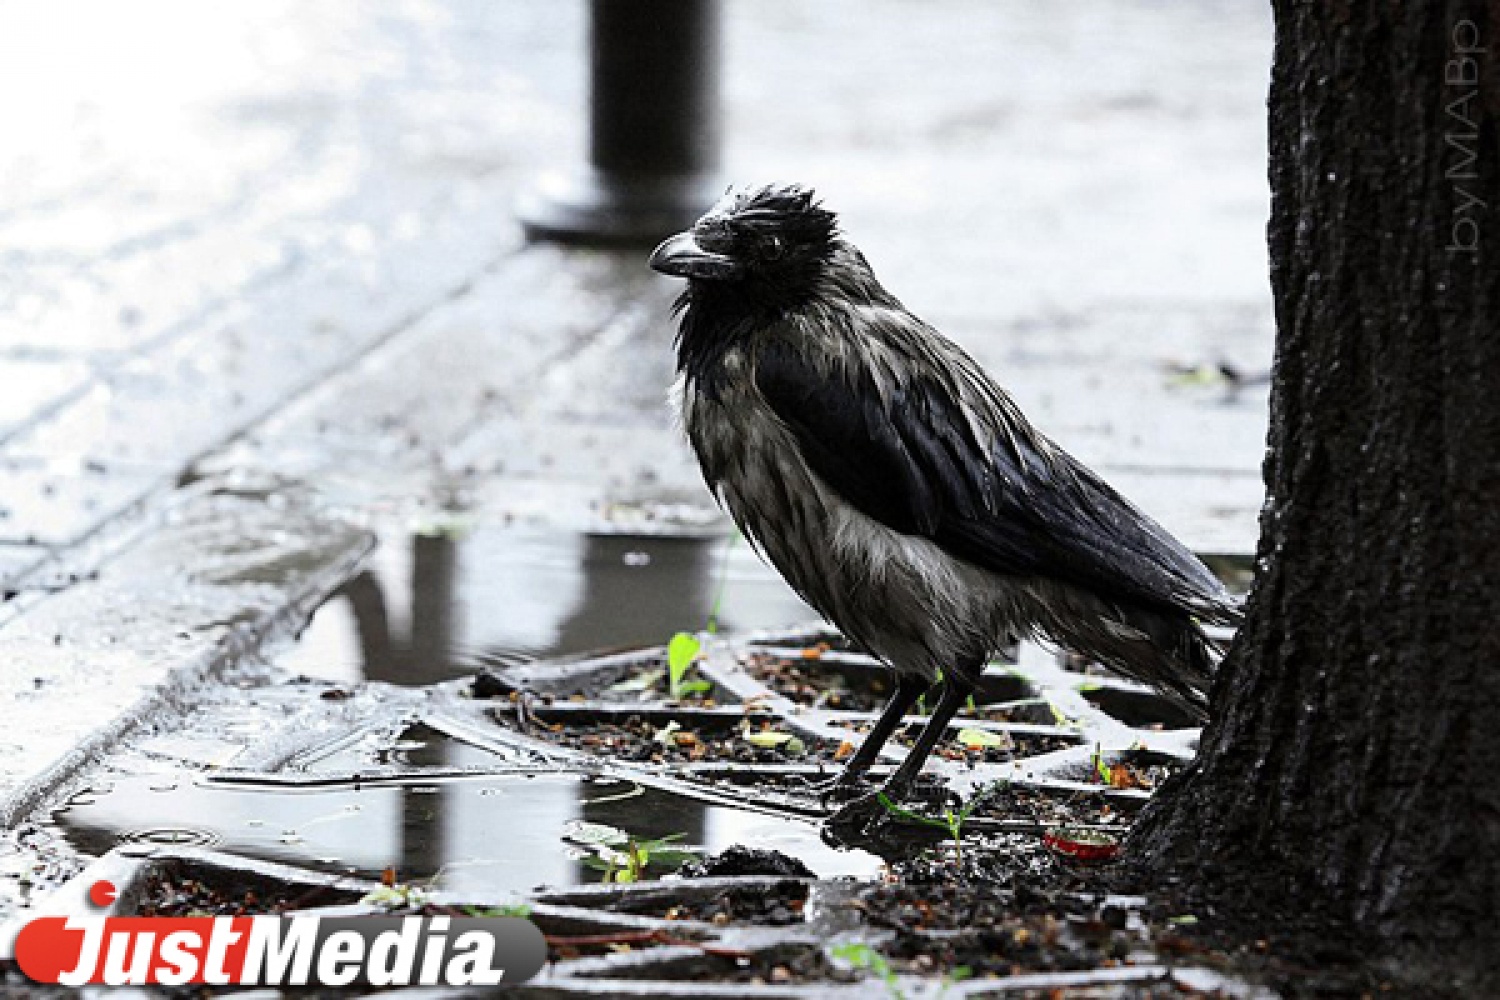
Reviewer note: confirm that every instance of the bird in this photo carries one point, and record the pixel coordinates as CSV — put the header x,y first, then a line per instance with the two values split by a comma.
x,y
898,489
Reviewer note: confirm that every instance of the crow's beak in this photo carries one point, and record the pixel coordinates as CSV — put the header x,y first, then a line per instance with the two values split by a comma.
x,y
681,256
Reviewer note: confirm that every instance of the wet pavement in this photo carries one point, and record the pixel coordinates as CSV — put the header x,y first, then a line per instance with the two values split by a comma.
x,y
278,364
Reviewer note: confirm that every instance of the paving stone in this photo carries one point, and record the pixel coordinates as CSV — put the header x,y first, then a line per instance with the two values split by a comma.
x,y
58,508
18,559
166,406
218,576
32,386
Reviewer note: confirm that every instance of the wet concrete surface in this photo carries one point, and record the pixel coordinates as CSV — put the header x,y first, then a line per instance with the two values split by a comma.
x,y
115,644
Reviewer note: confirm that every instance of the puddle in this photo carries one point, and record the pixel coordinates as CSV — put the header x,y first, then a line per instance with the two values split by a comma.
x,y
433,607
416,746
492,836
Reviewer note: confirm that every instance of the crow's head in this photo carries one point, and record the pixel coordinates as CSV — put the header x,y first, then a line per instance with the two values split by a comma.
x,y
771,236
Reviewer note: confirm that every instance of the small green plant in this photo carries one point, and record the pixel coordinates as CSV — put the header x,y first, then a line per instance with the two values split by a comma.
x,y
682,653
953,977
622,857
396,896
922,709
867,959
628,863
1061,718
1103,770
952,820
522,910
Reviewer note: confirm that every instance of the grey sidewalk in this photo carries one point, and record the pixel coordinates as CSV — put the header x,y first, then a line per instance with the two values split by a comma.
x,y
254,244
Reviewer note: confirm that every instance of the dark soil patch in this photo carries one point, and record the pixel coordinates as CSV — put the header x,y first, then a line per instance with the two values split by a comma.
x,y
231,894
638,740
1141,709
1054,808
817,680
992,931
739,861
811,681
773,906
1018,745
561,948
787,964
1143,769
781,965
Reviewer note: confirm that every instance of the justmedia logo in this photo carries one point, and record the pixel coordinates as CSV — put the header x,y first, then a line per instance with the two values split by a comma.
x,y
290,950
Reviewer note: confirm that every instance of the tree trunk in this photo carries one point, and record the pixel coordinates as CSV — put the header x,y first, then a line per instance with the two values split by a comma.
x,y
1353,759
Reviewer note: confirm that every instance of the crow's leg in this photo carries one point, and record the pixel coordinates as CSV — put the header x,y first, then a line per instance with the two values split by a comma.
x,y
909,687
858,821
956,691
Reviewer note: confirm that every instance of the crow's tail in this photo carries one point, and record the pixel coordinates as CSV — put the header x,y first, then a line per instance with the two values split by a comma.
x,y
1169,652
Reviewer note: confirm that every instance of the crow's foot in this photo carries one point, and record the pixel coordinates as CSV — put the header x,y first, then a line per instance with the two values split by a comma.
x,y
833,793
879,821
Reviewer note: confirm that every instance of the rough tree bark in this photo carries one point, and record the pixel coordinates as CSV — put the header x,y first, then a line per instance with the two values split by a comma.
x,y
1353,761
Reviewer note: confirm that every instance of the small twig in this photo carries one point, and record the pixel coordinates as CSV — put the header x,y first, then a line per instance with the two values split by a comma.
x,y
601,940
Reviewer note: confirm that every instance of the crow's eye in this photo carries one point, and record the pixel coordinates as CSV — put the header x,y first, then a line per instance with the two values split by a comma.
x,y
773,248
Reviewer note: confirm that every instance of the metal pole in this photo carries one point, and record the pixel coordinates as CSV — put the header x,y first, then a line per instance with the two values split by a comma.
x,y
654,128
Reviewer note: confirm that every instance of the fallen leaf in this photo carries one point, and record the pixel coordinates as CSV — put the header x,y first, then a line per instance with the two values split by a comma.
x,y
984,739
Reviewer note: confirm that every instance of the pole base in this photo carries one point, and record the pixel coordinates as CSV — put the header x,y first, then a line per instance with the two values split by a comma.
x,y
594,208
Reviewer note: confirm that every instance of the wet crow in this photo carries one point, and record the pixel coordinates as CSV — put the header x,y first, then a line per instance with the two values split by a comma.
x,y
897,488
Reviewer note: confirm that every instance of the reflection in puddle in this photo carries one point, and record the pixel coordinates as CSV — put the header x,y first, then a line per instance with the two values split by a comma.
x,y
432,607
490,836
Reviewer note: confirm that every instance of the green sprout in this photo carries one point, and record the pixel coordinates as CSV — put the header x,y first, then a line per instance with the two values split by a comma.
x,y
863,957
1103,770
952,821
682,653
624,858
522,910
628,862
922,709
397,896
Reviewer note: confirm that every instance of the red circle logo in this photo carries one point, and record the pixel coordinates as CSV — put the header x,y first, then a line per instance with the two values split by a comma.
x,y
102,893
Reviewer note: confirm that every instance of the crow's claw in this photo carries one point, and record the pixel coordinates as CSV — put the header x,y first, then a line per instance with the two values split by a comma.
x,y
858,821
840,790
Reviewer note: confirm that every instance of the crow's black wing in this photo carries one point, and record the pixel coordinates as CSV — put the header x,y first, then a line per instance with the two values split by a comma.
x,y
912,433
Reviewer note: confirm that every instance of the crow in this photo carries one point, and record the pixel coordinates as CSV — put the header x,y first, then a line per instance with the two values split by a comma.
x,y
898,489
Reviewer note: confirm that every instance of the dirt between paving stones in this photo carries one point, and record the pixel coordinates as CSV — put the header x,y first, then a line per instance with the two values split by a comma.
x,y
971,896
